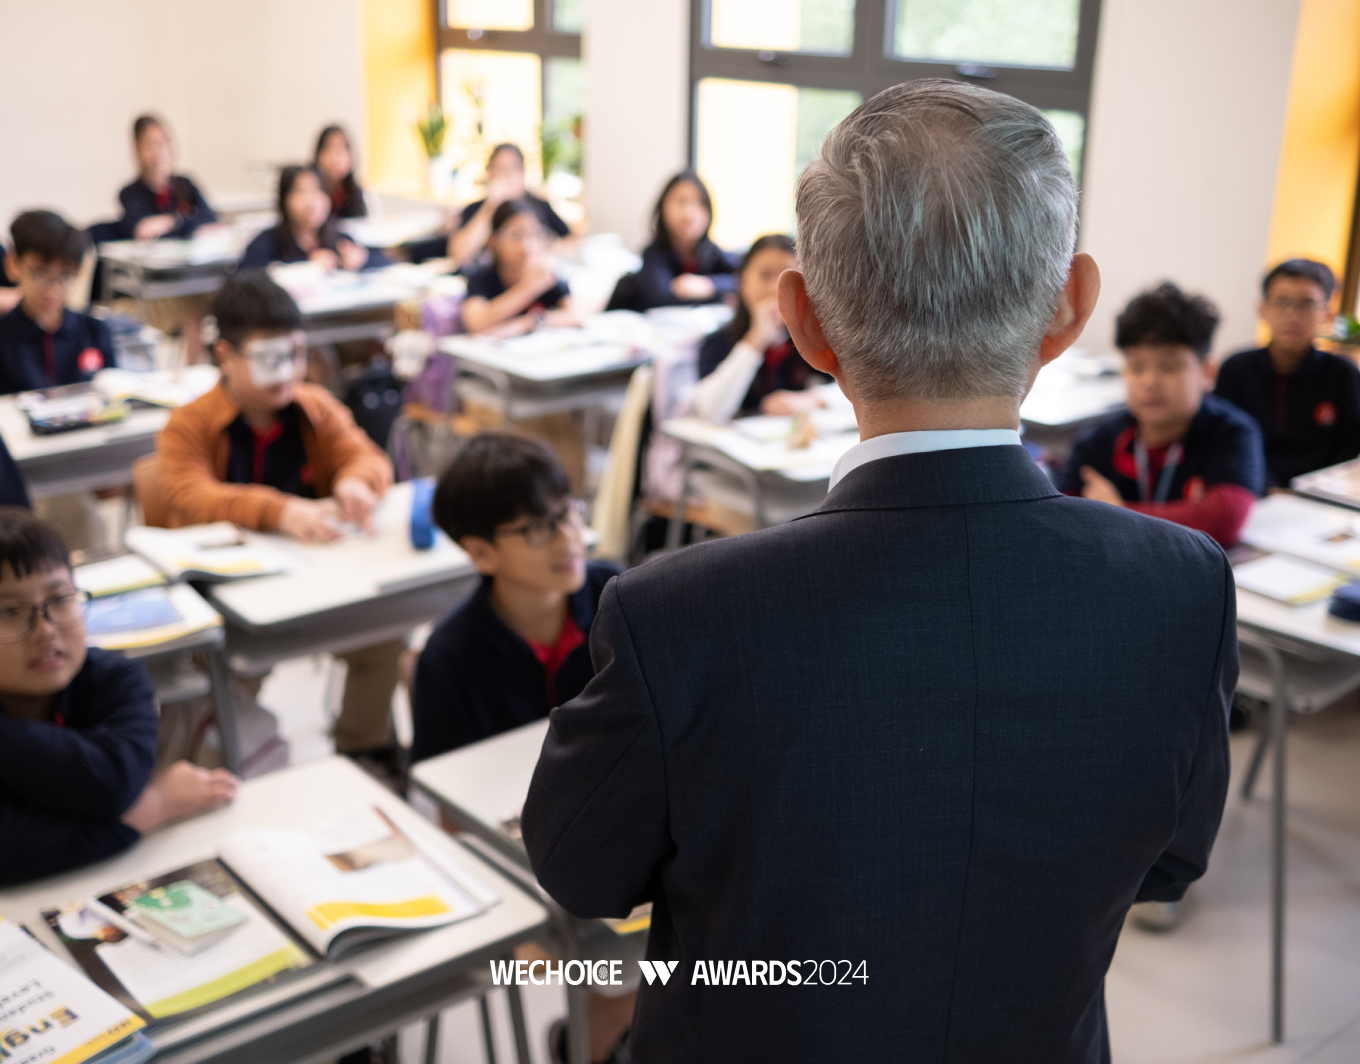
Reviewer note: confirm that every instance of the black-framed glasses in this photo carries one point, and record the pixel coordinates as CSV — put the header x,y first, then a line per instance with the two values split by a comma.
x,y
65,610
540,532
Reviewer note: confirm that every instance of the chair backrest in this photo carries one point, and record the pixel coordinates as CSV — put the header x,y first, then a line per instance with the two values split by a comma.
x,y
150,489
614,497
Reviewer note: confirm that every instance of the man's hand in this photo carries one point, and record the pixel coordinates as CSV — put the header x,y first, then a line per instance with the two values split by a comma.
x,y
309,520
1094,486
691,287
357,501
155,227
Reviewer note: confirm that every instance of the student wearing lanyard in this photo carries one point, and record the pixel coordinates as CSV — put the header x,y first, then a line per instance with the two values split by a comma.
x,y
1306,401
1175,452
160,203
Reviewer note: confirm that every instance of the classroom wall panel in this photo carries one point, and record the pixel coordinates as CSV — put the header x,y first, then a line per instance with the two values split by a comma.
x,y
1188,109
399,62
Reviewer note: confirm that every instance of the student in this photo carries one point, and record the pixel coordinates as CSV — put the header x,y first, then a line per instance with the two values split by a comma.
x,y
78,726
306,231
159,203
518,290
750,365
1175,452
268,452
9,291
681,266
517,647
42,343
334,161
1306,401
504,182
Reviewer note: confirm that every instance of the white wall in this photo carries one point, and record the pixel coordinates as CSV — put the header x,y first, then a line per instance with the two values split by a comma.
x,y
244,85
1187,123
637,62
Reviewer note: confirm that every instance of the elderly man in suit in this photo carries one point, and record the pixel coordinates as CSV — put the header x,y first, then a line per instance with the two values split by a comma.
x,y
926,746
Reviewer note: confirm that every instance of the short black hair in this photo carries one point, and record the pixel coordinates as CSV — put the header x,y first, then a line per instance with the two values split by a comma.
x,y
512,208
49,236
252,302
142,123
1305,270
28,544
513,149
494,479
1166,315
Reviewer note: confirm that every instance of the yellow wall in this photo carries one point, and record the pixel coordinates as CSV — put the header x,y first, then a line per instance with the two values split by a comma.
x,y
1315,187
399,63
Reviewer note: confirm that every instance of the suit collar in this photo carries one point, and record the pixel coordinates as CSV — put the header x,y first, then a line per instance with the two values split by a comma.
x,y
941,478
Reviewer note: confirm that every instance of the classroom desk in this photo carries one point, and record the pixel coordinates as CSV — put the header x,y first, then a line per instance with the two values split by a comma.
x,y
84,459
145,270
340,307
342,596
481,785
331,1008
1312,659
1068,395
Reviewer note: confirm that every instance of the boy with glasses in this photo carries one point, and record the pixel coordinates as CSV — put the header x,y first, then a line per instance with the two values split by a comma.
x,y
78,726
1306,401
517,647
271,453
42,343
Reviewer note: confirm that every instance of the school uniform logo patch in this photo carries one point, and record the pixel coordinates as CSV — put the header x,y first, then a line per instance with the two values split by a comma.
x,y
91,360
1194,489
305,475
1324,414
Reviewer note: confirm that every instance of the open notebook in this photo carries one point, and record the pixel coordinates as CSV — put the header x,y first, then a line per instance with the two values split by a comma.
x,y
276,901
214,552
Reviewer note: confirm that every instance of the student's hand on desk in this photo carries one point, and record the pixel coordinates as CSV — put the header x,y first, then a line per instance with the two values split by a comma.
x,y
155,227
309,520
1096,487
691,286
767,324
352,256
357,501
182,790
782,404
325,258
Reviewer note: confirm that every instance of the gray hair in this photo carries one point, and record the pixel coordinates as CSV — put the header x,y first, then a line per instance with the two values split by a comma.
x,y
935,232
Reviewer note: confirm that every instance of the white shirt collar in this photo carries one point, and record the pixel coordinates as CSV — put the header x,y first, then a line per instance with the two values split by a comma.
x,y
895,443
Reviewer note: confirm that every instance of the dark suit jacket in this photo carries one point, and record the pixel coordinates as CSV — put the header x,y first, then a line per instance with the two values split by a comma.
x,y
952,724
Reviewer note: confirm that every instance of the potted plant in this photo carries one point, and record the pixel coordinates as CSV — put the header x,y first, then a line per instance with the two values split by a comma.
x,y
433,127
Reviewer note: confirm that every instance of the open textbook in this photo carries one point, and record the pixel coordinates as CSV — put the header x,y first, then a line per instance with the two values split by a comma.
x,y
214,552
50,1012
275,902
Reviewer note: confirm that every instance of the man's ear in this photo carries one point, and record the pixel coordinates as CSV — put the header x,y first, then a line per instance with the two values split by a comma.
x,y
1075,306
483,554
1210,371
804,329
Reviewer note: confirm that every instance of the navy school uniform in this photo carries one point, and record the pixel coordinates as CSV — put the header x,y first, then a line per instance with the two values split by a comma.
x,y
783,371
476,678
277,458
267,247
5,282
182,199
32,358
1310,418
651,285
13,489
67,781
1222,446
485,281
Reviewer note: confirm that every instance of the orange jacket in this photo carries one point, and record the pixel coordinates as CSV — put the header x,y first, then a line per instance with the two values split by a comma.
x,y
194,449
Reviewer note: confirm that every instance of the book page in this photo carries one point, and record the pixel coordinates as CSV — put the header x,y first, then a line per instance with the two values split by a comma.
x,y
1288,579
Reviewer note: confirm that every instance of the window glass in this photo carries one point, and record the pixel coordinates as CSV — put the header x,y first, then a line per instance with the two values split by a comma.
x,y
825,27
1071,129
564,104
754,139
490,98
489,14
1036,33
569,16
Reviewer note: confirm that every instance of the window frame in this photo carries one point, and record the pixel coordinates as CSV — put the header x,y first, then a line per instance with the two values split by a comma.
x,y
870,67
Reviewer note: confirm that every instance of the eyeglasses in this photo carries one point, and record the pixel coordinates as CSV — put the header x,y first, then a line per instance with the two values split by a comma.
x,y
48,279
1295,306
65,610
540,532
277,353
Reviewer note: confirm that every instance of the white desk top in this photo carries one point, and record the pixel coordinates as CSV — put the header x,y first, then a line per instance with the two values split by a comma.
x,y
488,780
319,293
351,571
218,247
392,230
610,342
296,797
1073,389
758,443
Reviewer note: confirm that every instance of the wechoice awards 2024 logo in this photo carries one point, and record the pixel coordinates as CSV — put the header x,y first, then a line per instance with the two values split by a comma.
x,y
704,973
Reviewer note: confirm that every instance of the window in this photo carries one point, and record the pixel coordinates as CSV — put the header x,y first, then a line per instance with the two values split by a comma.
x,y
770,78
511,70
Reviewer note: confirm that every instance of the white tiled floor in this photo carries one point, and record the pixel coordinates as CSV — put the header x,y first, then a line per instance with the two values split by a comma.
x,y
1199,995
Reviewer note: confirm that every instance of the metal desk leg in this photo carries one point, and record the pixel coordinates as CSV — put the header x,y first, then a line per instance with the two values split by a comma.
x,y
517,1024
1279,724
226,715
432,1037
488,1036
675,530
